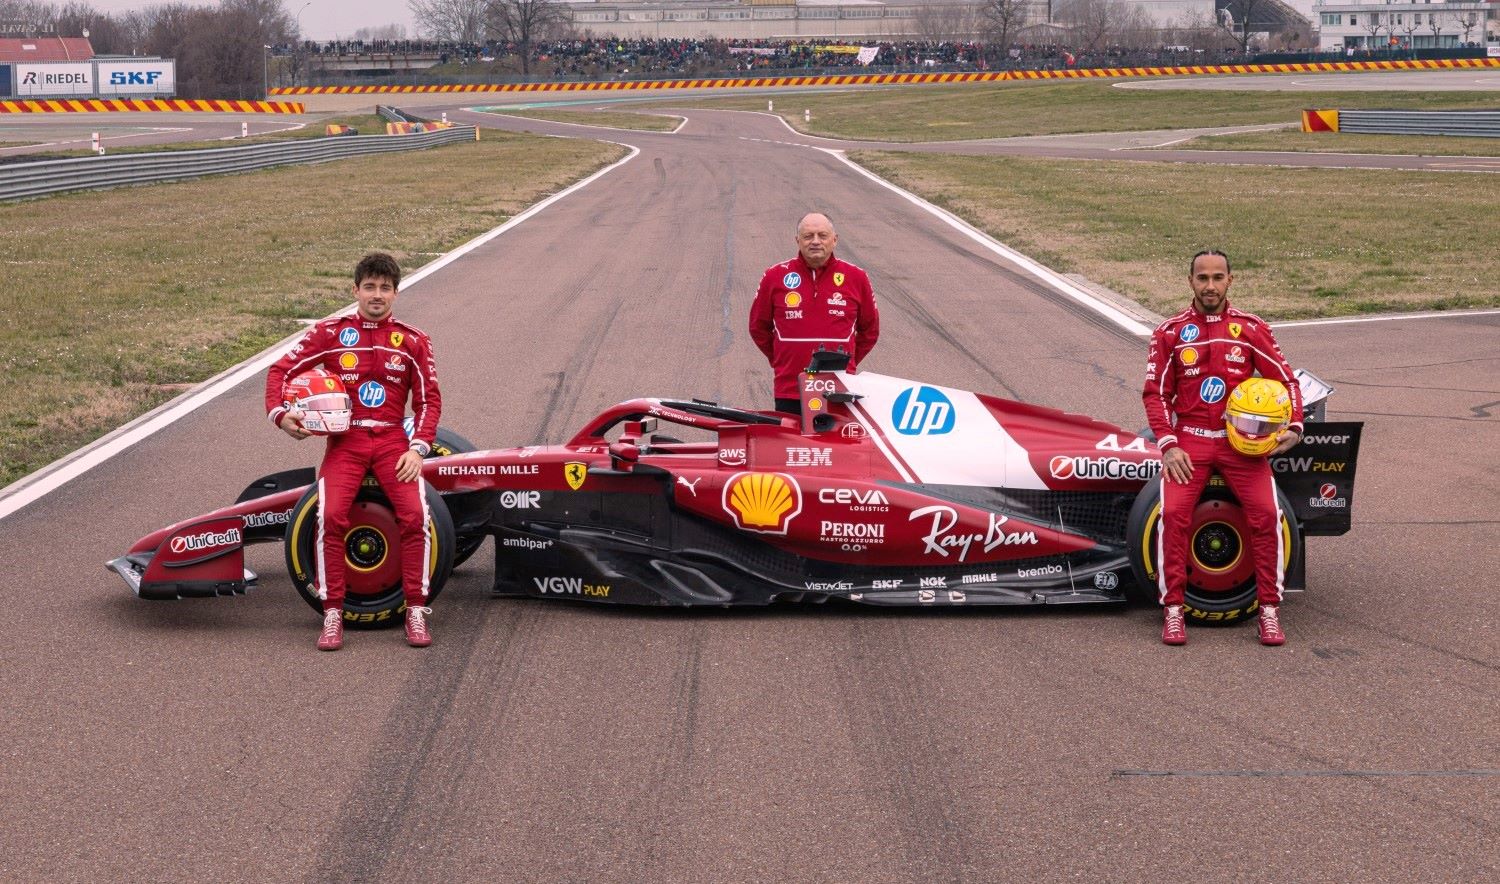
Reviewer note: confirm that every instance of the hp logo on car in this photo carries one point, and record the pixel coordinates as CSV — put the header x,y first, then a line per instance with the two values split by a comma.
x,y
1212,390
922,411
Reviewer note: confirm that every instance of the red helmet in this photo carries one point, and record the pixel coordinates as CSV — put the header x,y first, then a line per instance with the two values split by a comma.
x,y
318,397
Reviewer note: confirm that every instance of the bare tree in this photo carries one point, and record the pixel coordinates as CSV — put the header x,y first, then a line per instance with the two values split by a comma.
x,y
1094,22
461,21
1467,21
1000,20
525,23
946,20
382,32
1236,19
1373,26
1435,25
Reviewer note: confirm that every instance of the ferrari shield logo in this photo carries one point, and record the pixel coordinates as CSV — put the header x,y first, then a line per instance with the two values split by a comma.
x,y
838,279
1234,329
397,338
575,473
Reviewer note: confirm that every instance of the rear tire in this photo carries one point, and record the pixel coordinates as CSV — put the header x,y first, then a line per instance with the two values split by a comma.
x,y
373,597
447,442
1221,574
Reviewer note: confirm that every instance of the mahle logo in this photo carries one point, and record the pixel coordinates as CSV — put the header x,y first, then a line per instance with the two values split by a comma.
x,y
922,411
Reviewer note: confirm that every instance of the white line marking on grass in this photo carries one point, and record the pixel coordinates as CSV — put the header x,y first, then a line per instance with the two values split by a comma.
x,y
44,481
1395,317
1045,274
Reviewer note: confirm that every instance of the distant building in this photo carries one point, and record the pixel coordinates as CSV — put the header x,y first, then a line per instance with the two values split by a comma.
x,y
19,50
1352,25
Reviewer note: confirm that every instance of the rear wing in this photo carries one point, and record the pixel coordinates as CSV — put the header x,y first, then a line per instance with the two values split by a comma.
x,y
1318,475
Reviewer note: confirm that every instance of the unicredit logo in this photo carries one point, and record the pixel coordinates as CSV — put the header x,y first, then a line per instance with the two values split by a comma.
x,y
206,540
1065,467
1328,492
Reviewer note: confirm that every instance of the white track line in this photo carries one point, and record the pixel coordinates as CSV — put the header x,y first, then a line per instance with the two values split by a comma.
x,y
517,116
1045,274
1395,317
63,470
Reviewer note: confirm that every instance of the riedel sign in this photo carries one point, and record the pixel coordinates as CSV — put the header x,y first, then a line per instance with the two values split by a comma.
x,y
137,77
54,79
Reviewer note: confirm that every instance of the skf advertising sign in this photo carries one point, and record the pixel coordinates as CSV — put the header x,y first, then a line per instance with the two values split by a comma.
x,y
137,78
62,78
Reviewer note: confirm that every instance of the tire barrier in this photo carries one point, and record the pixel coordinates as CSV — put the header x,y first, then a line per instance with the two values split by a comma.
x,y
1341,67
146,105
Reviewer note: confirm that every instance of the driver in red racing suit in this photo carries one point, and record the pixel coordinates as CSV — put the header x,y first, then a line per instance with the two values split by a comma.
x,y
382,362
1197,357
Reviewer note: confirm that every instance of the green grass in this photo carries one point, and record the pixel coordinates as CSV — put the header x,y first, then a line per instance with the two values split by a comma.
x,y
167,285
1304,242
1001,110
654,122
1346,142
367,124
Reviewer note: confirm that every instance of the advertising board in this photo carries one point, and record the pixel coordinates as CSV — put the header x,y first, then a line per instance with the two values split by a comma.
x,y
5,81
50,80
153,77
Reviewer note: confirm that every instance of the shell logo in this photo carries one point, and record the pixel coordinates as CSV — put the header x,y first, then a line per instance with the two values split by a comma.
x,y
348,361
1189,356
762,502
793,300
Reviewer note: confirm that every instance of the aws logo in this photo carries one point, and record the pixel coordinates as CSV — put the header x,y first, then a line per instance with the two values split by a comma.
x,y
764,503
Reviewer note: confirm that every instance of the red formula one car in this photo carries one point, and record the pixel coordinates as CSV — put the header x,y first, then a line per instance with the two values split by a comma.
x,y
887,491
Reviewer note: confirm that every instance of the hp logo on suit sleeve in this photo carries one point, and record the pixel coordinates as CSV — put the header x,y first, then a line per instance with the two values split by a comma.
x,y
922,411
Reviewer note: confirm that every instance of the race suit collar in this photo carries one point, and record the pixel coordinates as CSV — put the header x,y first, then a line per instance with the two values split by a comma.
x,y
804,267
1210,317
379,323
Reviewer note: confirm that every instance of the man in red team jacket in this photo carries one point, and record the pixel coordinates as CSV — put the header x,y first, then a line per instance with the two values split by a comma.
x,y
814,300
1197,357
382,362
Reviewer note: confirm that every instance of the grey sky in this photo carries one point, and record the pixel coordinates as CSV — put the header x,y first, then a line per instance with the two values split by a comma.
x,y
321,20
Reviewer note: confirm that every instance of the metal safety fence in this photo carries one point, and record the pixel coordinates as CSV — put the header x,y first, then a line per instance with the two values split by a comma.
x,y
21,180
1483,124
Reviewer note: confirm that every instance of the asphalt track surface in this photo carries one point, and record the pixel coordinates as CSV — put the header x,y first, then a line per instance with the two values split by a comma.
x,y
547,741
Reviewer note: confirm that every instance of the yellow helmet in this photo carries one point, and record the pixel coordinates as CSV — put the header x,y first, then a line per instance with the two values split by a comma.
x,y
1258,411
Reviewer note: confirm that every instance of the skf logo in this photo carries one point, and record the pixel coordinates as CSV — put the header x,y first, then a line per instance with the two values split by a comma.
x,y
838,279
793,300
134,78
348,361
397,338
762,502
1234,329
575,472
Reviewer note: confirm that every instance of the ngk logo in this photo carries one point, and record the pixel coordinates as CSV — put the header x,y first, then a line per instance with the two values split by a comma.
x,y
1065,467
207,540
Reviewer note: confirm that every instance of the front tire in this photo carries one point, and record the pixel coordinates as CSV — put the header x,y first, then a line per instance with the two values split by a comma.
x,y
1221,571
373,596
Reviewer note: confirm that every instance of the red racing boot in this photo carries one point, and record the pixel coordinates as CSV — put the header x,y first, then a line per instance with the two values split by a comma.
x,y
416,627
1269,626
1173,630
332,636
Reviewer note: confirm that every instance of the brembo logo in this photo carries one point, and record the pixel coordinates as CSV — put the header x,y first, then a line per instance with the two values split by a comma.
x,y
206,540
1065,467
